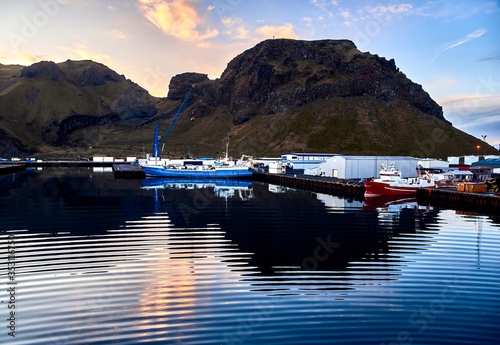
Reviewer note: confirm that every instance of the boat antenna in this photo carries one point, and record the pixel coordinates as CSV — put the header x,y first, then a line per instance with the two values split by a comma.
x,y
227,147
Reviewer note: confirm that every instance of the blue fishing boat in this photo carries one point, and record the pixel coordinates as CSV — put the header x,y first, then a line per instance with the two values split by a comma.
x,y
199,171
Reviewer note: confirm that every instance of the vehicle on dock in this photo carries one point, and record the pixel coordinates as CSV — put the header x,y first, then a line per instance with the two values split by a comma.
x,y
392,183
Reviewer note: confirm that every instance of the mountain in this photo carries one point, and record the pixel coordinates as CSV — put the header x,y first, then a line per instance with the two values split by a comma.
x,y
281,95
43,105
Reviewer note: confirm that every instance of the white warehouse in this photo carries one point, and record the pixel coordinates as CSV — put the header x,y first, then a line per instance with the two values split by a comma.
x,y
362,167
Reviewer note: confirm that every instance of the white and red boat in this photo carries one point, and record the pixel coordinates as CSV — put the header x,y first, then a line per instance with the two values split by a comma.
x,y
392,183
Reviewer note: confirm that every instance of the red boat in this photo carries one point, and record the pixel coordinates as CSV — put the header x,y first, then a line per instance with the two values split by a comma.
x,y
391,183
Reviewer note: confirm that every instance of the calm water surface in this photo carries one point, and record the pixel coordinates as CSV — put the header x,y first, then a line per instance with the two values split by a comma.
x,y
105,261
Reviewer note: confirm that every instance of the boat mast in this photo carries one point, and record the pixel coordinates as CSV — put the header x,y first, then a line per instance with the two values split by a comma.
x,y
227,148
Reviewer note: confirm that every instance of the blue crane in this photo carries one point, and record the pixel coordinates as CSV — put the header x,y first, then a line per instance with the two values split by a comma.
x,y
170,127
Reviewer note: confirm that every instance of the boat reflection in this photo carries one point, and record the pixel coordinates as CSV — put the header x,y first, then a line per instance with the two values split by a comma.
x,y
391,208
223,188
390,203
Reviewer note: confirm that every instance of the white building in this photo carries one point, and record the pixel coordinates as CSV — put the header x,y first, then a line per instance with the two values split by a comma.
x,y
430,163
305,160
361,167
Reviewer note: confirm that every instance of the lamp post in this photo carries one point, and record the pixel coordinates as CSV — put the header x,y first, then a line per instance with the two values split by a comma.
x,y
478,147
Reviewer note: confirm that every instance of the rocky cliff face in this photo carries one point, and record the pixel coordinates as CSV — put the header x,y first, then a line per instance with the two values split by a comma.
x,y
278,75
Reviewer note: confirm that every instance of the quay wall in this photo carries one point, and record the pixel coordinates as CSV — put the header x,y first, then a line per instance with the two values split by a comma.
x,y
478,202
351,191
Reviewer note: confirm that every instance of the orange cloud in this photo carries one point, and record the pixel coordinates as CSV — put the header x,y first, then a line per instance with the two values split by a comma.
x,y
20,58
81,52
116,34
284,31
177,18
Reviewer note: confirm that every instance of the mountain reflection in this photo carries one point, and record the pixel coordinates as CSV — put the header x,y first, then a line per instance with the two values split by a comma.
x,y
278,228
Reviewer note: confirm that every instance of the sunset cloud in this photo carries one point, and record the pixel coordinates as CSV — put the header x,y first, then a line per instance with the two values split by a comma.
x,y
283,31
116,34
177,18
20,58
81,52
474,114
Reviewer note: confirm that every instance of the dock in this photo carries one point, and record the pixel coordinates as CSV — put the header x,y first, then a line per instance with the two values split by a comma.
x,y
128,171
62,163
6,169
314,184
487,203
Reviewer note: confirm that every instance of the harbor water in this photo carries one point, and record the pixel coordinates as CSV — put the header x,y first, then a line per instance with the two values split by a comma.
x,y
88,259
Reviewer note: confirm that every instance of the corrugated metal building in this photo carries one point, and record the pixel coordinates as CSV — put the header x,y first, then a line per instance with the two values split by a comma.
x,y
361,167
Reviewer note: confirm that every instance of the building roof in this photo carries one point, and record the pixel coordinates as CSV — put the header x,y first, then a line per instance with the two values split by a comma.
x,y
379,158
310,154
490,162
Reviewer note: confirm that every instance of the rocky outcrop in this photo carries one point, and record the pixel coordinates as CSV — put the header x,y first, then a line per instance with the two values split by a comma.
x,y
181,83
277,75
47,70
83,73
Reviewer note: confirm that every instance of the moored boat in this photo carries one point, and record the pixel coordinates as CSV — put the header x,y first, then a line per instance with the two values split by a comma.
x,y
392,183
199,171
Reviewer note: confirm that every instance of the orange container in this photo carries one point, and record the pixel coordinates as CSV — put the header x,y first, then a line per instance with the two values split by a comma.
x,y
460,187
475,187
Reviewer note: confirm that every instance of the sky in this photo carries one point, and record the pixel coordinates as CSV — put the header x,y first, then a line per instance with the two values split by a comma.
x,y
451,48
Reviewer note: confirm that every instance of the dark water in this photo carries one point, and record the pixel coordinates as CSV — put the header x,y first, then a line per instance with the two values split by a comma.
x,y
104,261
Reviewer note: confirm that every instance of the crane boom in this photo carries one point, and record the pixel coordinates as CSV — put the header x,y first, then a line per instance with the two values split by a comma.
x,y
174,120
